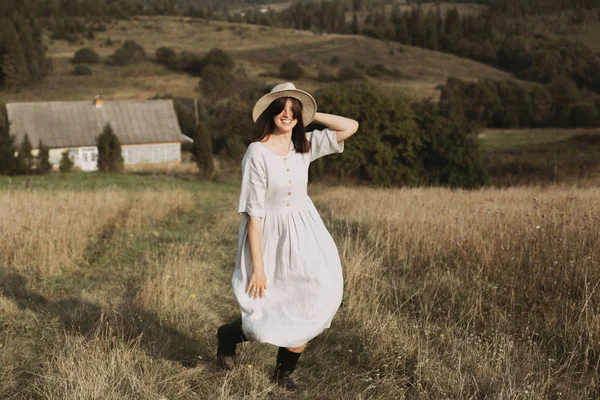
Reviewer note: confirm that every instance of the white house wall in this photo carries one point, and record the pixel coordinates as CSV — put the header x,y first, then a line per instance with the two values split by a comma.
x,y
132,155
55,156
151,153
84,158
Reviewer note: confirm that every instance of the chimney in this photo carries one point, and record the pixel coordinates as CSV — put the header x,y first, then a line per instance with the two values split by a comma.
x,y
98,101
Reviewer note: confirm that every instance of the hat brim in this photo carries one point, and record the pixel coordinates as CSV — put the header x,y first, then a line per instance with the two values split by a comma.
x,y
309,105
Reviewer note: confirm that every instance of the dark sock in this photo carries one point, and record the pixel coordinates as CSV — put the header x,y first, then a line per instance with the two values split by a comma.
x,y
236,329
287,360
229,336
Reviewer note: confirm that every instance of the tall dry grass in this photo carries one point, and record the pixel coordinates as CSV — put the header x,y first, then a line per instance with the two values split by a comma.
x,y
487,294
46,233
448,295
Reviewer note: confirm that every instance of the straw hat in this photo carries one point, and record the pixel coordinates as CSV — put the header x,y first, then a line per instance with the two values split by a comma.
x,y
309,105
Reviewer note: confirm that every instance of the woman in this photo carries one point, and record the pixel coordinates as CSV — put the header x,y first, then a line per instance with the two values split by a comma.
x,y
288,276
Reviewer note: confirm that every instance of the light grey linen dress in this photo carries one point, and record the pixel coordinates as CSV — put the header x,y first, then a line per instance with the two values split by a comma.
x,y
301,261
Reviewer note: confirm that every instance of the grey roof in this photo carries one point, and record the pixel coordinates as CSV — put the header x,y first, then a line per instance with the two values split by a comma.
x,y
78,123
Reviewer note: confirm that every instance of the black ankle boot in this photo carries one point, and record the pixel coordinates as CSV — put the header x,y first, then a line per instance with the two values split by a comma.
x,y
286,364
228,336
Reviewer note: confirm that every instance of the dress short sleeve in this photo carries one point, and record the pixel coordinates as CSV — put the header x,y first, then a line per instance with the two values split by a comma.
x,y
323,143
254,185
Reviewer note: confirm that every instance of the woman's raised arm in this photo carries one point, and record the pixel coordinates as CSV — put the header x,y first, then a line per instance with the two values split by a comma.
x,y
344,127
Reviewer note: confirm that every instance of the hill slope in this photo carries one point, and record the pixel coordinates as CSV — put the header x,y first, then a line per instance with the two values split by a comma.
x,y
259,51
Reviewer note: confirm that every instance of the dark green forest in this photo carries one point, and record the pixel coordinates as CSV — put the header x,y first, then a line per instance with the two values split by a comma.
x,y
22,56
487,38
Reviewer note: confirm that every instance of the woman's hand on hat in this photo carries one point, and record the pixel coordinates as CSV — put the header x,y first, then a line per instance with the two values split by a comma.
x,y
257,285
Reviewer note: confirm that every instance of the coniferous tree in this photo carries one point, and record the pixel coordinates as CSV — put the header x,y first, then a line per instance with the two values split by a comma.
x,y
564,97
66,164
15,72
109,151
355,28
8,161
43,165
402,34
203,151
44,63
25,159
28,46
431,34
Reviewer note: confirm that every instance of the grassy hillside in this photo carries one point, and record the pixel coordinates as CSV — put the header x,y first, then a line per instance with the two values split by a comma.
x,y
112,287
257,51
542,156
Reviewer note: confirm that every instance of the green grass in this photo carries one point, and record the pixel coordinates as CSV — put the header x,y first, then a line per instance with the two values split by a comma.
x,y
84,181
542,156
511,140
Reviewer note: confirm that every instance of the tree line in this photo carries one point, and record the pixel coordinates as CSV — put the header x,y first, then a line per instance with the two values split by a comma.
x,y
23,59
479,37
509,104
402,143
525,8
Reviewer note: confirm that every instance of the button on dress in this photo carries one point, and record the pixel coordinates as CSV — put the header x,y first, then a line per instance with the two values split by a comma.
x,y
301,261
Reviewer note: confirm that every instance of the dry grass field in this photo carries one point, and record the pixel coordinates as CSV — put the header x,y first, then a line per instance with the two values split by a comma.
x,y
257,51
112,288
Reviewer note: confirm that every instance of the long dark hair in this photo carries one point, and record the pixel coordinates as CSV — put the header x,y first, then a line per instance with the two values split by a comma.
x,y
266,125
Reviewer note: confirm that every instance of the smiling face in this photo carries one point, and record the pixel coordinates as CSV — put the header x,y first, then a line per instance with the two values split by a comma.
x,y
286,120
283,115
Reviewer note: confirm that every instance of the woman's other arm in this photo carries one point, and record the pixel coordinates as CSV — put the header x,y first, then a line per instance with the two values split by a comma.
x,y
258,280
343,127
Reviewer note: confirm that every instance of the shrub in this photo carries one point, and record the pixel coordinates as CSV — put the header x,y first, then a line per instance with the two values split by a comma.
x,y
8,162
584,115
25,160
401,143
291,70
218,58
109,151
81,70
202,151
216,81
378,70
450,153
66,164
235,147
85,56
326,74
351,74
90,34
43,165
129,53
385,151
190,63
166,56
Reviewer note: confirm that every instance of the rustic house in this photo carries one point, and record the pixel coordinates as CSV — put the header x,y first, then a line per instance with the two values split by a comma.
x,y
148,130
